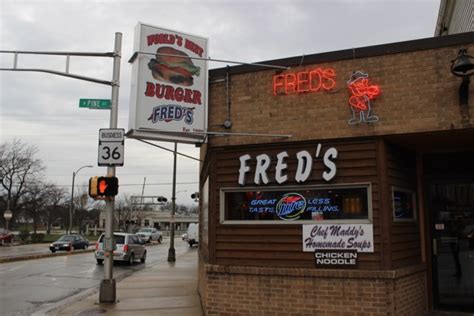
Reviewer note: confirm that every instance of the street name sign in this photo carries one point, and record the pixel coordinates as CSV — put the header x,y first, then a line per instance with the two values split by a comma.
x,y
111,146
95,104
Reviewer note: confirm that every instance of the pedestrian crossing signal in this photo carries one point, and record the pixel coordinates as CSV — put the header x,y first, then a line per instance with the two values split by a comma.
x,y
107,186
93,187
102,187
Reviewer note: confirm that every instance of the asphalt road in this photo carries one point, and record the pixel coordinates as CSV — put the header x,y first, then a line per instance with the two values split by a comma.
x,y
31,285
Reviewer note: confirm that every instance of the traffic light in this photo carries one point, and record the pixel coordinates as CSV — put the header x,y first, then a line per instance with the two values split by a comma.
x,y
162,199
102,187
93,187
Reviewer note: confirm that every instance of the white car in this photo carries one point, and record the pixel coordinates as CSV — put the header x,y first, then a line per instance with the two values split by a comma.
x,y
193,234
148,234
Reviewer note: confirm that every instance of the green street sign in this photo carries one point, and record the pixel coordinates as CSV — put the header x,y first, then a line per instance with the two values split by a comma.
x,y
98,104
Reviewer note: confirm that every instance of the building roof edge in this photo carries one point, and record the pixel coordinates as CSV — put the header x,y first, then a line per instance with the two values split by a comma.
x,y
353,53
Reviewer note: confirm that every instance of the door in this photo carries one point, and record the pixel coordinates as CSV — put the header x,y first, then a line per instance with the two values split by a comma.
x,y
451,207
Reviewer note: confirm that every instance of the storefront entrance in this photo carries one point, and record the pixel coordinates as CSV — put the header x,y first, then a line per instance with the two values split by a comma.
x,y
450,206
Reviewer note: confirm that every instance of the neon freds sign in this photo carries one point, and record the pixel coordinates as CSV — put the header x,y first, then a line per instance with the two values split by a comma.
x,y
362,92
304,81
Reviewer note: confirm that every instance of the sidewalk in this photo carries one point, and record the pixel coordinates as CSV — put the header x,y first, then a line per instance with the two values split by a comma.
x,y
162,289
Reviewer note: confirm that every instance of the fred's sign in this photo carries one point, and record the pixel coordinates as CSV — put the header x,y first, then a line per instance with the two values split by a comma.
x,y
169,84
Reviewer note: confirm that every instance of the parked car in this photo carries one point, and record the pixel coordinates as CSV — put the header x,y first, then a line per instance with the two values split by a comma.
x,y
193,234
149,234
6,236
128,247
69,242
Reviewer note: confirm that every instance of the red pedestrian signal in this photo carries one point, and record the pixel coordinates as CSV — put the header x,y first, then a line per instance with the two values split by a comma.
x,y
102,187
107,186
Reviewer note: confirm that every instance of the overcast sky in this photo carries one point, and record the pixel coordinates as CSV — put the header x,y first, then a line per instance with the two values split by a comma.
x,y
43,109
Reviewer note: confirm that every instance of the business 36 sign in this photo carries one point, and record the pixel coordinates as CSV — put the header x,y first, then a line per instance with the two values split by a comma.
x,y
111,147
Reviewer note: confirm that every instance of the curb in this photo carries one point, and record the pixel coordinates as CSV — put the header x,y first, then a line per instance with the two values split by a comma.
x,y
46,255
43,255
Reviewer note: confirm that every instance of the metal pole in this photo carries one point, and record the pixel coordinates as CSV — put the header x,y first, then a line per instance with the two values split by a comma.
x,y
171,252
8,209
71,205
107,285
141,208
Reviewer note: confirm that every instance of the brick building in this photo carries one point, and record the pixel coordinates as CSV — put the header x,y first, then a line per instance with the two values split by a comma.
x,y
343,185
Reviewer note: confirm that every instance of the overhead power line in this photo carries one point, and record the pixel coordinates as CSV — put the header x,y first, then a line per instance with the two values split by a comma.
x,y
133,184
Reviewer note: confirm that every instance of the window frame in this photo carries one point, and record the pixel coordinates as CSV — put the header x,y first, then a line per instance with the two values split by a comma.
x,y
358,185
414,218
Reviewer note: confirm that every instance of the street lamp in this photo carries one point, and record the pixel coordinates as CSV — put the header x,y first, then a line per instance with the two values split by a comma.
x,y
71,206
462,67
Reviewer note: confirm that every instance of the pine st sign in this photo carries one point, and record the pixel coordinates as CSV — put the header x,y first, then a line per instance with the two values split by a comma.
x,y
169,85
95,104
111,147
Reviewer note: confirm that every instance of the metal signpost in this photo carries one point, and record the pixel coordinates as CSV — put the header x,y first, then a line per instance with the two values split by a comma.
x,y
107,292
107,286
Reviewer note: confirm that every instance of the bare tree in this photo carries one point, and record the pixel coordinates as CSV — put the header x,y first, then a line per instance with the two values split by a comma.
x,y
123,212
81,206
33,203
55,205
18,167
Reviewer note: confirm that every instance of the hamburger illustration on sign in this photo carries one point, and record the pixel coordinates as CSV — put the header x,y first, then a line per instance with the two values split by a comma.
x,y
174,66
169,86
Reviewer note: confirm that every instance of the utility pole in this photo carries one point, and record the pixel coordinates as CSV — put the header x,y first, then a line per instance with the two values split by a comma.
x,y
171,251
107,293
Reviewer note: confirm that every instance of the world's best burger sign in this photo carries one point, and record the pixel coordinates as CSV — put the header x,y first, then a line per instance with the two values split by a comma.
x,y
169,85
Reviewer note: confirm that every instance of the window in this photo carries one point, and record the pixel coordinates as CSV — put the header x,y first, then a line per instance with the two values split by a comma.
x,y
132,239
337,203
147,222
119,239
404,204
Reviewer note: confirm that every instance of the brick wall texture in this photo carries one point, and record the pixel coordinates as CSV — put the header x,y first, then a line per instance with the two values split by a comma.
x,y
269,291
418,94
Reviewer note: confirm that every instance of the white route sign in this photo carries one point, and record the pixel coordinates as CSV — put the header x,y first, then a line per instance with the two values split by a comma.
x,y
111,146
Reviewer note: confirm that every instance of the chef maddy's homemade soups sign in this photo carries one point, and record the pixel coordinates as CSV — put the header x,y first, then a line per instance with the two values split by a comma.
x,y
359,237
169,83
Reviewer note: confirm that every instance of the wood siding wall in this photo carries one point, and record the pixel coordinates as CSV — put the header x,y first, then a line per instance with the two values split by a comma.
x,y
405,243
280,245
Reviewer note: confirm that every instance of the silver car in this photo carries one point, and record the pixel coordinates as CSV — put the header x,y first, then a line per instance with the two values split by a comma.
x,y
148,234
128,247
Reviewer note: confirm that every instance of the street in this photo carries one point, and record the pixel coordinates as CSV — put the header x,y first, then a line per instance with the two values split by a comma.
x,y
30,285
